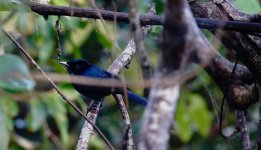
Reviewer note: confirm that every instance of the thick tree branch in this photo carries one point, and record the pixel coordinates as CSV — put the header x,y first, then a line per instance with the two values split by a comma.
x,y
87,129
203,23
246,46
182,45
241,91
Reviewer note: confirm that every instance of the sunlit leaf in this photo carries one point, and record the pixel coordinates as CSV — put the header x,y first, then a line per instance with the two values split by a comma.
x,y
105,34
184,129
199,114
192,116
14,74
60,2
9,104
8,115
249,6
44,39
79,36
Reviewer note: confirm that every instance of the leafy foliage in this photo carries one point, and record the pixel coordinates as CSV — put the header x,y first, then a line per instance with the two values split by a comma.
x,y
31,110
192,115
252,6
14,74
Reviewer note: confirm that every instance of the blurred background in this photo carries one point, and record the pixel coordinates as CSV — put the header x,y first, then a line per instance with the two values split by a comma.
x,y
34,116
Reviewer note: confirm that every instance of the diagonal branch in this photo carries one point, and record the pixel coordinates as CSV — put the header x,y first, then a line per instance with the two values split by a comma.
x,y
87,129
119,63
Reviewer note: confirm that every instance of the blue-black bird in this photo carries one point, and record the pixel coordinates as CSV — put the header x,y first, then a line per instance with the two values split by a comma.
x,y
82,67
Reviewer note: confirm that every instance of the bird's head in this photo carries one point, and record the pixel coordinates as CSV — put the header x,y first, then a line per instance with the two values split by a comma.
x,y
76,67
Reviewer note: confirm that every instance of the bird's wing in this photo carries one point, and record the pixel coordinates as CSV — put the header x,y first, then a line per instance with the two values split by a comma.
x,y
98,72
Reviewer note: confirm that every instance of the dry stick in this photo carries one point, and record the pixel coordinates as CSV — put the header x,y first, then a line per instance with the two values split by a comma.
x,y
56,88
58,32
241,123
203,23
127,123
138,39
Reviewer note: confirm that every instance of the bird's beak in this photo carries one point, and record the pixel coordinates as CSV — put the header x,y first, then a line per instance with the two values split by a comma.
x,y
64,63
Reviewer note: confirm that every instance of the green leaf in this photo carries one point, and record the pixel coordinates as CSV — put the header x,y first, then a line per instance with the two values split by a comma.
x,y
105,34
44,33
7,5
57,110
25,23
79,36
62,124
37,115
60,2
184,122
10,5
249,6
192,115
9,104
14,74
4,136
199,114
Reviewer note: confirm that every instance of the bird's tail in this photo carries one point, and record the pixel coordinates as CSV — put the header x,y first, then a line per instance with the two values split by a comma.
x,y
137,99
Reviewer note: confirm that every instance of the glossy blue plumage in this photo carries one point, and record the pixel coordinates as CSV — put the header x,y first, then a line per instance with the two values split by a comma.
x,y
83,68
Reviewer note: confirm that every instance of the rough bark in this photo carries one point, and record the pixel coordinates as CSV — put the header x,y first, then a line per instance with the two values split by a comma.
x,y
182,44
246,46
241,91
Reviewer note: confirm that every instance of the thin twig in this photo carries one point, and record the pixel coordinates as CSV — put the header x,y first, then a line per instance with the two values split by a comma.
x,y
139,40
222,106
58,33
56,88
127,123
241,123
